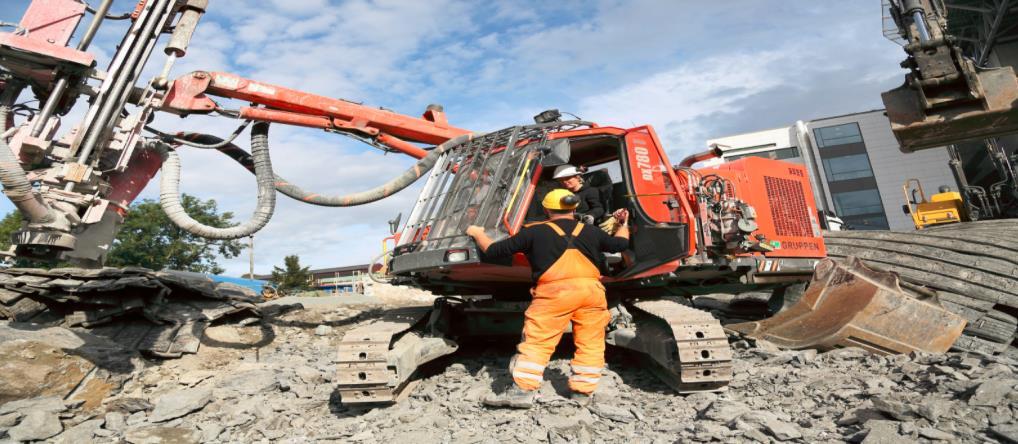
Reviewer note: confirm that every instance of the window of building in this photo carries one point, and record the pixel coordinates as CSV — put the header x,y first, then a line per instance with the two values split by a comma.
x,y
853,166
867,222
852,203
838,135
786,154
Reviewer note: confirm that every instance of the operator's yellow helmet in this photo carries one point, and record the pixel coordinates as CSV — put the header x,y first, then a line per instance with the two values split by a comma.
x,y
560,199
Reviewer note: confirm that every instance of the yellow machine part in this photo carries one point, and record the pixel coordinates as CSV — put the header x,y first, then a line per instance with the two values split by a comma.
x,y
943,208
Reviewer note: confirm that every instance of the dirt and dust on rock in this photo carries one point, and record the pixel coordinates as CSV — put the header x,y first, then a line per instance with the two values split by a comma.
x,y
273,381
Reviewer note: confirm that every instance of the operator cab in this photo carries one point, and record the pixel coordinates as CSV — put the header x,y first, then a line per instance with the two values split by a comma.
x,y
598,159
498,181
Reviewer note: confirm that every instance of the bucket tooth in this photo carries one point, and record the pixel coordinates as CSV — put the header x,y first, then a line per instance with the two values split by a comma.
x,y
850,305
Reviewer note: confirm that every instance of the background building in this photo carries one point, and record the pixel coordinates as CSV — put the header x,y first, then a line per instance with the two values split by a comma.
x,y
335,279
855,165
854,162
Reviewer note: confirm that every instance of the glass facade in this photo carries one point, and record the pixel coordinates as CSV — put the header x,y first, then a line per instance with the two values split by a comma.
x,y
855,203
838,135
850,177
853,166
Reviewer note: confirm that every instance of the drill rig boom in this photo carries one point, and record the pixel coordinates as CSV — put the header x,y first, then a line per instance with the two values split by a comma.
x,y
73,189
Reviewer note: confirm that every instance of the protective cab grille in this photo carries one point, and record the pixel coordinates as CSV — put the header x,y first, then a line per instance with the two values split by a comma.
x,y
788,207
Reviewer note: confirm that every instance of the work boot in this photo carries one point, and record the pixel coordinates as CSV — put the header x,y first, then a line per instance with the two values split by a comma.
x,y
514,397
583,399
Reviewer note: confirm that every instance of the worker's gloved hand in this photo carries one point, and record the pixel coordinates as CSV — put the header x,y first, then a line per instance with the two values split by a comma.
x,y
585,218
474,231
609,225
621,215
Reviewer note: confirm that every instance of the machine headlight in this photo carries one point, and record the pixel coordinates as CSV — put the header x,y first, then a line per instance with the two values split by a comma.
x,y
456,255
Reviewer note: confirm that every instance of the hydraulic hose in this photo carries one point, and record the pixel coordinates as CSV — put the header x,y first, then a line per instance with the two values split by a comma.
x,y
712,153
295,192
13,177
169,192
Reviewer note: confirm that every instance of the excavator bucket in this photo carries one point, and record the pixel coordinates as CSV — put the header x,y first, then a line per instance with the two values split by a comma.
x,y
981,104
850,305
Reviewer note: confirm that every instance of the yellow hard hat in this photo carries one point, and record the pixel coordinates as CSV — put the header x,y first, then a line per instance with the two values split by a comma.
x,y
560,199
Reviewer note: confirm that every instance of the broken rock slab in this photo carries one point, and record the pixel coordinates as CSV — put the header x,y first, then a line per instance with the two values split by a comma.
x,y
1006,433
565,418
894,409
83,433
162,435
255,380
51,404
992,392
36,425
9,420
607,411
770,423
54,361
179,403
725,411
128,405
935,434
108,302
882,432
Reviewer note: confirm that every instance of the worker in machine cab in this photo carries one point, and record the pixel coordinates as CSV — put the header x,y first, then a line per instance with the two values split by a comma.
x,y
566,261
590,209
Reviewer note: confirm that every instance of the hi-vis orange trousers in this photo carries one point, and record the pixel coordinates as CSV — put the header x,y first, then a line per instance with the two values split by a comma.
x,y
569,292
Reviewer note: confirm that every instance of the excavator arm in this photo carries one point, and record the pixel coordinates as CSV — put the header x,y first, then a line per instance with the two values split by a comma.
x,y
947,98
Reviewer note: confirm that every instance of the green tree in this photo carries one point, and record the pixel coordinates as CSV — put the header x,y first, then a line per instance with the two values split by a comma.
x,y
148,239
10,223
292,278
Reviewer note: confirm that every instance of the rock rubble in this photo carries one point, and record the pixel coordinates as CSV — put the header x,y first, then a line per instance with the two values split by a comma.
x,y
273,382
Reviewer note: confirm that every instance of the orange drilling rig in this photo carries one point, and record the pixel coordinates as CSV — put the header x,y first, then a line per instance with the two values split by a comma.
x,y
733,227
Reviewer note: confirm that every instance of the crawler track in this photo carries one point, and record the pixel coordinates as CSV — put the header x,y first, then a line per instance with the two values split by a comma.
x,y
364,371
972,266
693,355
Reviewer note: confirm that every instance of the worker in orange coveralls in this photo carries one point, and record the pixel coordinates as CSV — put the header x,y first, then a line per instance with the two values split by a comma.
x,y
566,260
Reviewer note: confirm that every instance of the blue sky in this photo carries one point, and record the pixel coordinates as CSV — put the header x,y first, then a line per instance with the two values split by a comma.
x,y
695,70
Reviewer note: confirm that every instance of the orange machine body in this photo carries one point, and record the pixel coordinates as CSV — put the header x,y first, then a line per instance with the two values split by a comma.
x,y
672,241
783,198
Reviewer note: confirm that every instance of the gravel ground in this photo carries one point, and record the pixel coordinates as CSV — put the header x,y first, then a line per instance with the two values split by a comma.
x,y
273,383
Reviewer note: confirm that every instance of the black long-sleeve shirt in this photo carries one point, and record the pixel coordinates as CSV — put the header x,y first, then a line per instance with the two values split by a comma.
x,y
590,202
543,246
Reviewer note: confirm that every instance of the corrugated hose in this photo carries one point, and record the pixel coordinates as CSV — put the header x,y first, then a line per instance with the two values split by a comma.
x,y
13,177
295,192
169,191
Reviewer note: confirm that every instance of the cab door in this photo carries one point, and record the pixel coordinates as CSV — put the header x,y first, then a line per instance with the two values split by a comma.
x,y
660,218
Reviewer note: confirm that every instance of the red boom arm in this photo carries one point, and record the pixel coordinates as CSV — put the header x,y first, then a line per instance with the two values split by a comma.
x,y
190,95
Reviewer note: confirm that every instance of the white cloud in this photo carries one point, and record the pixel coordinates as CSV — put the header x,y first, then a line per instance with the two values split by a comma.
x,y
842,70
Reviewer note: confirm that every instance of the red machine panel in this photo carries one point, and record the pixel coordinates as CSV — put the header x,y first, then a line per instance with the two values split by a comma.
x,y
647,170
783,198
